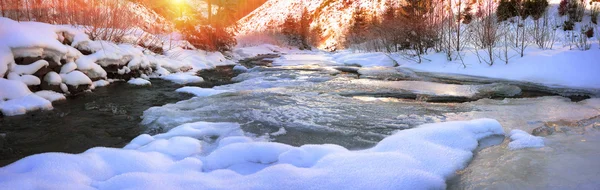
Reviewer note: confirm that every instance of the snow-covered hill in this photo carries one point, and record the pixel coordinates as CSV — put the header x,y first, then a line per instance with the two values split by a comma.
x,y
334,16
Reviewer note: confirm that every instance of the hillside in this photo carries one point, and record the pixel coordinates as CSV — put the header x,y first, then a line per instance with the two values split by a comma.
x,y
334,16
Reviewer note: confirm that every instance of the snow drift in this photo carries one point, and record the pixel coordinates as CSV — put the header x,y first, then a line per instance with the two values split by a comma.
x,y
218,156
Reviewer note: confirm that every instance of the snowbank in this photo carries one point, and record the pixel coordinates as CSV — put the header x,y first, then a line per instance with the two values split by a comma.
x,y
217,156
521,139
557,67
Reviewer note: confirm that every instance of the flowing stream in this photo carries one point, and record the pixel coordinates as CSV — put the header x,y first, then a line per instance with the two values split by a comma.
x,y
324,102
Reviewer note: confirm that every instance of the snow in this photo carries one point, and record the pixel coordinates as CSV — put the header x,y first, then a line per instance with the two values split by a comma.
x,y
53,78
50,95
139,82
101,83
364,59
556,67
76,78
29,80
183,78
67,68
31,68
10,89
16,99
240,69
521,139
200,92
217,156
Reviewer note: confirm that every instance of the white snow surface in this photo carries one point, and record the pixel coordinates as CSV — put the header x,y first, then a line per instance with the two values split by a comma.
x,y
183,78
200,92
364,59
521,139
16,99
188,156
76,78
139,82
556,67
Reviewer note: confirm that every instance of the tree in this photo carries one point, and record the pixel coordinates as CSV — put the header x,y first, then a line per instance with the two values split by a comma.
x,y
358,29
419,29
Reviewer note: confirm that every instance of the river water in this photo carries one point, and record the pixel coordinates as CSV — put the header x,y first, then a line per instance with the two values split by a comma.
x,y
315,102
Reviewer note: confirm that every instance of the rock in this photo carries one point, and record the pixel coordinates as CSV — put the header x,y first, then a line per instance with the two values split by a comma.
x,y
55,88
27,60
75,90
34,88
542,131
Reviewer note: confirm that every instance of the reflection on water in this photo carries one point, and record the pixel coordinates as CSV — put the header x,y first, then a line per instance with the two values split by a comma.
x,y
107,117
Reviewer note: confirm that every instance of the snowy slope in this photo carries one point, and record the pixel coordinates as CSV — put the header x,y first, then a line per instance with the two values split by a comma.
x,y
334,16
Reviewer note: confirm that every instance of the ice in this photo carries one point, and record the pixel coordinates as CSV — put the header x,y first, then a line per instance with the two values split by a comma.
x,y
50,95
521,139
183,78
200,92
76,78
419,158
139,82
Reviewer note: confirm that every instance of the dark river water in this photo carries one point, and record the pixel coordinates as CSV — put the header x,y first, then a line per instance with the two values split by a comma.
x,y
109,116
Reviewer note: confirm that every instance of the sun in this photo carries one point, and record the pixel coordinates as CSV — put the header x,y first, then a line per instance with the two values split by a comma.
x,y
178,1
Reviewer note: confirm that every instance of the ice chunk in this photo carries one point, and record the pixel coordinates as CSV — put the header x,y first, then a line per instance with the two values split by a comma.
x,y
139,82
200,92
183,78
521,139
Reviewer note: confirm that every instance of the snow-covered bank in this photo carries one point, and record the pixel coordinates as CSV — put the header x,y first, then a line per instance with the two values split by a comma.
x,y
559,67
191,156
63,59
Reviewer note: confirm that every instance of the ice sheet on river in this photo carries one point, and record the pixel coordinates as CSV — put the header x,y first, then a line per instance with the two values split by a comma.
x,y
217,156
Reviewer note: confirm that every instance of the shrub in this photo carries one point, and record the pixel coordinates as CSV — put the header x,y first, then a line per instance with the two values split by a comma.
x,y
589,32
563,7
535,8
568,25
507,9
